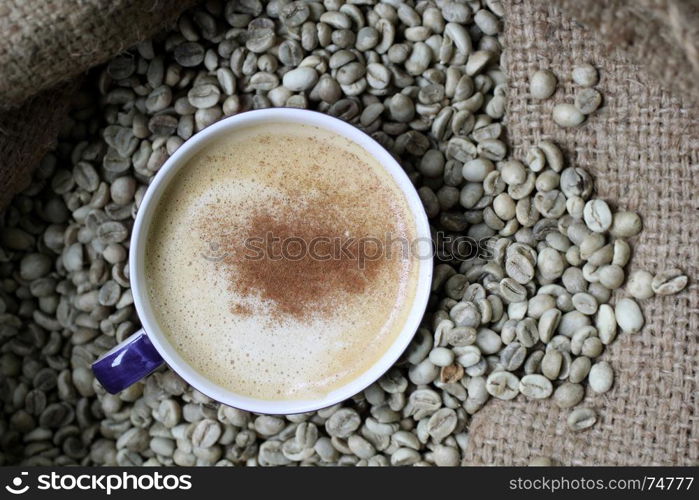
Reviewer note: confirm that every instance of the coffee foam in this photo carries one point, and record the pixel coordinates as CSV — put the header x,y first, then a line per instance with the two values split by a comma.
x,y
273,329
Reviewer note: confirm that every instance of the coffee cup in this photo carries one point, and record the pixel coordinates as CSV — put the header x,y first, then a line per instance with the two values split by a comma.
x,y
154,345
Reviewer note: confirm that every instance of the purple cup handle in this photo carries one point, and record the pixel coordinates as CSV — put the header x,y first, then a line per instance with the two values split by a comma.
x,y
127,363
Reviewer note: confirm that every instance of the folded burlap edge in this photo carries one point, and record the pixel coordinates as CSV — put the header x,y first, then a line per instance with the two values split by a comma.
x,y
27,134
49,42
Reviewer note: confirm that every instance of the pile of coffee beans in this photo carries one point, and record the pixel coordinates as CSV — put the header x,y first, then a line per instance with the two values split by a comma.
x,y
424,79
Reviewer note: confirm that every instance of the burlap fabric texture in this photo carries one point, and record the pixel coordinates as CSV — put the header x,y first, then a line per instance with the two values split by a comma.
x,y
643,149
45,42
660,35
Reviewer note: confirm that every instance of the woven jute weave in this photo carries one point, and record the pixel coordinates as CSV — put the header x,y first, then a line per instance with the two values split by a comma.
x,y
660,35
45,42
643,149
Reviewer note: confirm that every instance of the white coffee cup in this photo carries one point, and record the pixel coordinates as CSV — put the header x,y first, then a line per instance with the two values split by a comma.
x,y
149,348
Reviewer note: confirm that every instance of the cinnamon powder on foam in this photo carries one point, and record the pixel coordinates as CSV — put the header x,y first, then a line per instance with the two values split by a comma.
x,y
298,284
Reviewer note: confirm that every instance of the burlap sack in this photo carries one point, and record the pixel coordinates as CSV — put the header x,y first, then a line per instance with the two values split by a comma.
x,y
643,149
27,134
46,42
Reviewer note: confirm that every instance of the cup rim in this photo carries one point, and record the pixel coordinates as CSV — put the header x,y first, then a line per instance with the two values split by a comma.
x,y
138,243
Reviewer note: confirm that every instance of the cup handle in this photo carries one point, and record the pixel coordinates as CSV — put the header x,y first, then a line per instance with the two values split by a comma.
x,y
127,363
